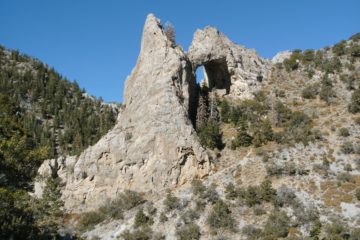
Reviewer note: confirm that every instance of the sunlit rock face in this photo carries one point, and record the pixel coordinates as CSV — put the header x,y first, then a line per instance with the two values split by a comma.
x,y
228,66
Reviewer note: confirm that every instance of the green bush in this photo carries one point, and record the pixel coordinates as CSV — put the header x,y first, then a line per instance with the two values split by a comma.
x,y
225,111
339,48
189,231
357,194
139,234
90,219
355,234
326,92
277,225
211,194
331,65
163,218
198,187
189,216
355,50
354,106
242,139
262,133
171,202
283,113
252,232
292,63
220,216
344,132
308,56
299,127
347,148
310,91
231,192
345,177
125,201
336,231
141,219
210,135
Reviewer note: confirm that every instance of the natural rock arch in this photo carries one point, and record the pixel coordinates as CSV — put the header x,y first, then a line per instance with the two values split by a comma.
x,y
216,75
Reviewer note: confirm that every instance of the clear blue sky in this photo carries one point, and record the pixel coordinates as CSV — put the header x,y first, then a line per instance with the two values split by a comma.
x,y
97,42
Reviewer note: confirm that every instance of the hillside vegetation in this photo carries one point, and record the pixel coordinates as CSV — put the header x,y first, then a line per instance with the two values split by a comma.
x,y
43,115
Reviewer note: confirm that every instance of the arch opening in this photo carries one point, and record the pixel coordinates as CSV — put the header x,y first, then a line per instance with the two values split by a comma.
x,y
217,76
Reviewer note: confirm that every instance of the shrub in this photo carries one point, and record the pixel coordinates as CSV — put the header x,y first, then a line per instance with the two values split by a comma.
x,y
139,234
262,133
171,202
355,234
252,232
90,219
285,197
326,92
318,59
189,231
310,91
198,187
277,225
292,63
163,217
243,139
189,216
348,167
315,229
267,193
258,210
308,56
331,65
252,196
283,113
336,230
255,195
339,48
299,127
169,31
127,200
347,148
357,193
211,194
231,192
354,106
357,121
141,219
220,216
210,135
344,132
225,111
345,177
274,169
355,50
279,93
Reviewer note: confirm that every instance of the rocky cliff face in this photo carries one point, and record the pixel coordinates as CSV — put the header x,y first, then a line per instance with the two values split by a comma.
x,y
228,66
154,145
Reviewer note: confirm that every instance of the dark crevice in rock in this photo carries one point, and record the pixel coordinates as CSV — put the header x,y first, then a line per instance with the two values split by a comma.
x,y
217,75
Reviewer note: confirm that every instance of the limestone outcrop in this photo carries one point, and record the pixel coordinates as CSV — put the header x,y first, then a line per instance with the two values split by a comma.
x,y
154,145
235,69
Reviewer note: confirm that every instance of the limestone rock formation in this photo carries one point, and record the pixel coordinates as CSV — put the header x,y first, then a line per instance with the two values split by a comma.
x,y
154,145
281,56
235,69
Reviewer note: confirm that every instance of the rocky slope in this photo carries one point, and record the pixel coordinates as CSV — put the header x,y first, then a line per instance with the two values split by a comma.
x,y
288,167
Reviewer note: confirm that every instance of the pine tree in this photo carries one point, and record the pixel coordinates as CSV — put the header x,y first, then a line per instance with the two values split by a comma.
x,y
49,208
